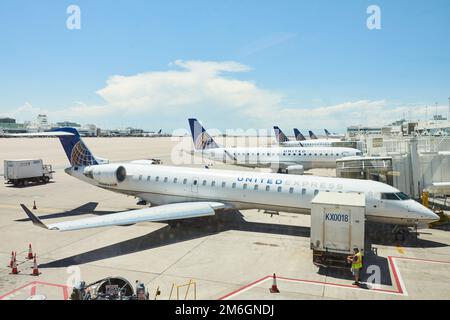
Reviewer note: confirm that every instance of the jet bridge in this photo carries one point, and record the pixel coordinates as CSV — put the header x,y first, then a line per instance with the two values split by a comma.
x,y
367,168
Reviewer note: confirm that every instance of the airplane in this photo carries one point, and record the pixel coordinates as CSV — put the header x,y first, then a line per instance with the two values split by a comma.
x,y
312,135
333,135
181,192
284,141
278,159
154,134
298,135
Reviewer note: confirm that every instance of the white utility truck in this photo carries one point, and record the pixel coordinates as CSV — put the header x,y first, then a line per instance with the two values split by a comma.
x,y
21,172
337,227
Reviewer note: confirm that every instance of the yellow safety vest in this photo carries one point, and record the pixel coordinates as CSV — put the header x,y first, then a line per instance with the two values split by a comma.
x,y
358,263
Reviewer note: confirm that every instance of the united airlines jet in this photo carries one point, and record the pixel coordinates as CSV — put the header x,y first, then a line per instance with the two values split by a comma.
x,y
333,135
284,141
281,160
182,192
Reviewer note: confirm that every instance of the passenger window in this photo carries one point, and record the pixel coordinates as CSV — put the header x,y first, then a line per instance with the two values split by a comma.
x,y
148,178
303,191
175,180
157,179
279,189
223,184
204,182
244,186
165,179
291,190
316,192
267,188
213,184
184,181
140,177
195,182
255,187
233,185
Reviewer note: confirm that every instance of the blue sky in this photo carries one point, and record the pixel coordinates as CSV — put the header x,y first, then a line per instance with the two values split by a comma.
x,y
310,64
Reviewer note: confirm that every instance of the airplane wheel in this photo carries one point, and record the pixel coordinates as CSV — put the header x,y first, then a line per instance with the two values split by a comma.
x,y
400,236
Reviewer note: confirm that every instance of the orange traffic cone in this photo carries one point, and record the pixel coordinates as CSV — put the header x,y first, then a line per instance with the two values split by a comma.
x,y
35,267
14,269
30,252
12,259
34,205
274,288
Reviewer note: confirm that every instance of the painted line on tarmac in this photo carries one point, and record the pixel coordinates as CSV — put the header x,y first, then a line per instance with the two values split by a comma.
x,y
398,279
33,288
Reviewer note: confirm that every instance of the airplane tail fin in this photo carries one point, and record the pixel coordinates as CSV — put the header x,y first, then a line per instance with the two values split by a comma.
x,y
327,132
202,140
281,137
298,135
76,151
160,130
312,135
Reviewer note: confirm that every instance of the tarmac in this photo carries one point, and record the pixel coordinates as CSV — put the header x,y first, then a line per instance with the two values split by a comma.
x,y
229,256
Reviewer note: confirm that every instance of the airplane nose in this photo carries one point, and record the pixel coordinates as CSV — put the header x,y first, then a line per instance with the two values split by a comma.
x,y
426,215
431,216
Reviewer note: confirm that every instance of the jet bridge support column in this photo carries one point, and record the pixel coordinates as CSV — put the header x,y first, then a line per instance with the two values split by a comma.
x,y
415,168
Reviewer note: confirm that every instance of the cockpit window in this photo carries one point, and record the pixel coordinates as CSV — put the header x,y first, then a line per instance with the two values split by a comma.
x,y
389,196
403,196
394,196
359,153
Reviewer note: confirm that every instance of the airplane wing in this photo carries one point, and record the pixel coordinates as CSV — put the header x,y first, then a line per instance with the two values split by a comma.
x,y
173,211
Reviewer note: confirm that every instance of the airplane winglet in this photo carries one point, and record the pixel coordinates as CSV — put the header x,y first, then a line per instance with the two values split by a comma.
x,y
36,221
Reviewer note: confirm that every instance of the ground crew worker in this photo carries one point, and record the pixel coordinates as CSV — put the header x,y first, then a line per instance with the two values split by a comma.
x,y
356,261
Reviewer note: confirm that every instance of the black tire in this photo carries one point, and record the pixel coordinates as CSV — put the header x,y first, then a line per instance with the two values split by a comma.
x,y
46,179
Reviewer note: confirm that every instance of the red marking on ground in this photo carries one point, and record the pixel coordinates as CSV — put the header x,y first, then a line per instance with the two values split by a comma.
x,y
245,287
421,260
34,284
399,290
394,273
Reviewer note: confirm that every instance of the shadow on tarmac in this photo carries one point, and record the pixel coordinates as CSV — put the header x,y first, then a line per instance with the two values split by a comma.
x,y
87,208
178,232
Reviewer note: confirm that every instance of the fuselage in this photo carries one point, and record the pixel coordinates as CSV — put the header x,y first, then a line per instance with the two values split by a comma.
x,y
310,143
240,190
279,157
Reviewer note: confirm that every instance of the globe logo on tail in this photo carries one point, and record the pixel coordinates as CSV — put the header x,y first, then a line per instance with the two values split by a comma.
x,y
81,156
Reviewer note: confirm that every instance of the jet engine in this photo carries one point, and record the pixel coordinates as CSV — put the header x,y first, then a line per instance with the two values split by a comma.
x,y
109,174
295,169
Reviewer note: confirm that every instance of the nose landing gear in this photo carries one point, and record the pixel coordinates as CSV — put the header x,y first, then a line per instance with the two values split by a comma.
x,y
401,232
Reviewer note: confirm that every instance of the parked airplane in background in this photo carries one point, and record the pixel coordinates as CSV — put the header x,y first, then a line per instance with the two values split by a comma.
x,y
284,141
180,192
312,135
333,135
298,135
281,160
154,134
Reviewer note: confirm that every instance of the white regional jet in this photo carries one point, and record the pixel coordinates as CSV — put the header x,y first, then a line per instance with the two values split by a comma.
x,y
280,160
181,192
284,141
333,135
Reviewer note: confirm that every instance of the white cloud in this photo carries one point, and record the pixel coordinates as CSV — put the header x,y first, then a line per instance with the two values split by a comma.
x,y
202,88
24,112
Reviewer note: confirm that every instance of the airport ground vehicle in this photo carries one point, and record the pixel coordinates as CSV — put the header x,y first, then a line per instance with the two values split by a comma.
x,y
21,172
337,227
